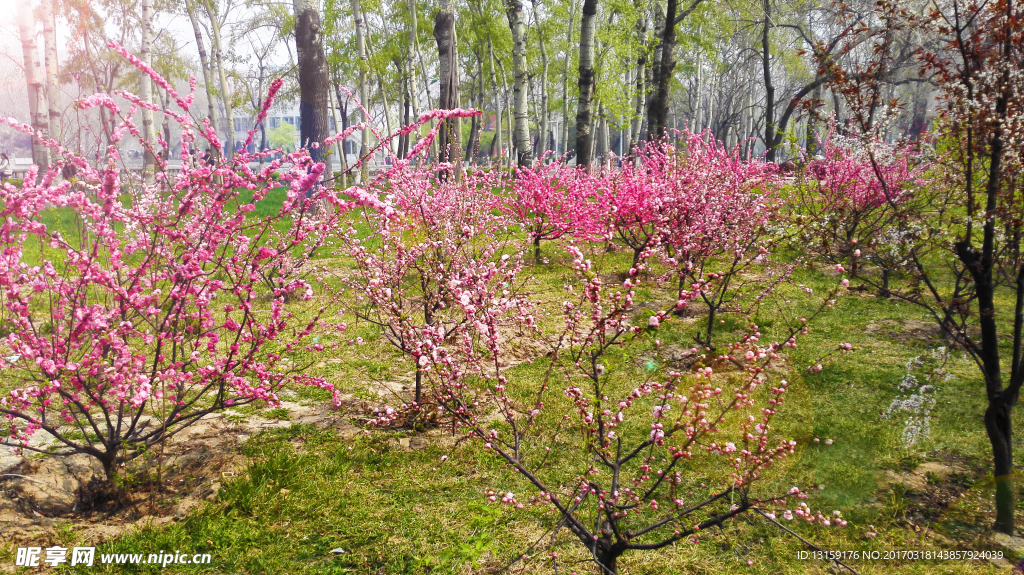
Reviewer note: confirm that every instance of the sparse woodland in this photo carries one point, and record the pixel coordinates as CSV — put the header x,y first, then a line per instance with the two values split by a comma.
x,y
566,287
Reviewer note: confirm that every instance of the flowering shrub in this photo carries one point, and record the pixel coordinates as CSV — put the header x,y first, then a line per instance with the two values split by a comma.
x,y
435,263
631,435
555,200
849,200
716,227
159,310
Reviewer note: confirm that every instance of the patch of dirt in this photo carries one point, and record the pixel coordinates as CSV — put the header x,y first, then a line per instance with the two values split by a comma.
x,y
40,496
905,330
932,487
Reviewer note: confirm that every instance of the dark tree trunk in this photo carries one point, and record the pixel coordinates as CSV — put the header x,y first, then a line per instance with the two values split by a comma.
x,y
657,105
769,87
448,78
314,99
664,65
403,140
607,554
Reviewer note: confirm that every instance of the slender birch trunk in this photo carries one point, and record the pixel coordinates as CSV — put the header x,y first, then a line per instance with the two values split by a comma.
x,y
218,57
34,81
364,146
52,70
544,112
204,60
521,132
146,92
565,79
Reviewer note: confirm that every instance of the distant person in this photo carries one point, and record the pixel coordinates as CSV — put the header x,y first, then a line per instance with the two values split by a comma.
x,y
208,157
192,158
5,168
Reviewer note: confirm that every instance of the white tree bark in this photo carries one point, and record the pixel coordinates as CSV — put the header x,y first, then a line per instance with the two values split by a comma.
x,y
204,60
34,81
357,16
218,57
52,70
565,80
499,111
584,128
146,90
414,49
521,132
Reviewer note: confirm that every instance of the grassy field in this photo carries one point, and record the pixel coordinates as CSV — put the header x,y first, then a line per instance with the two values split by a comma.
x,y
316,500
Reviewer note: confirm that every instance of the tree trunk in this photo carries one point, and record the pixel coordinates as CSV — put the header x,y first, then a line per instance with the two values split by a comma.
x,y
387,109
343,110
403,139
339,145
521,132
34,80
607,555
657,105
414,91
499,109
146,91
769,87
811,138
565,79
364,146
218,57
657,108
52,70
639,87
584,135
649,76
601,149
543,119
204,61
448,78
314,85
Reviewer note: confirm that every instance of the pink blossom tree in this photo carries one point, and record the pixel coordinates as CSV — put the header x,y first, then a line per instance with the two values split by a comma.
x,y
154,315
981,239
432,248
554,200
847,203
632,438
717,226
634,199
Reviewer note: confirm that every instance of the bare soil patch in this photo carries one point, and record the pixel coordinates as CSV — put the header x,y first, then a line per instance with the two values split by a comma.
x,y
40,497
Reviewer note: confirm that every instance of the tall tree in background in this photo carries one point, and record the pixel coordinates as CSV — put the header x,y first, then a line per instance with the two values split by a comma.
x,y
521,131
52,70
34,80
448,78
769,85
657,103
204,62
217,46
146,89
314,84
584,134
543,141
364,149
